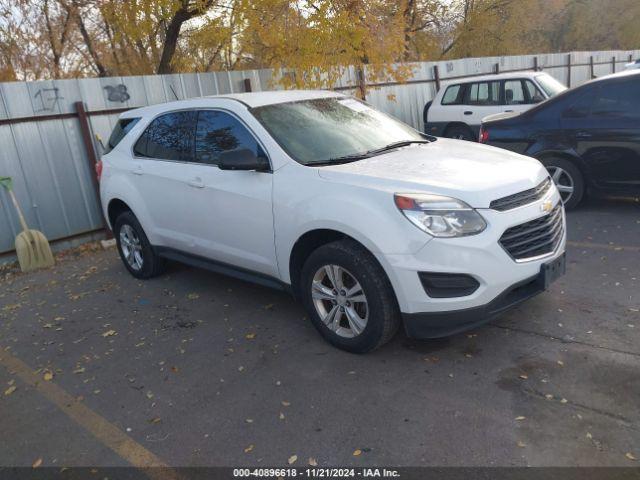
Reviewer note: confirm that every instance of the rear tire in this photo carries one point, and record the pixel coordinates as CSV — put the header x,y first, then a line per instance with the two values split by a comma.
x,y
460,132
348,297
134,248
569,180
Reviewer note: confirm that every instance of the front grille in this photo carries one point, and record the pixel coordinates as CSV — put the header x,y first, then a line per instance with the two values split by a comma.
x,y
535,238
521,198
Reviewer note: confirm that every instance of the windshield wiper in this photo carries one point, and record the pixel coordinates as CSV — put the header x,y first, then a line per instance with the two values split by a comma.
x,y
339,160
391,146
367,154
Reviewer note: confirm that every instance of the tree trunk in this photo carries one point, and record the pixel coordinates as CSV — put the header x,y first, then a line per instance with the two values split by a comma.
x,y
171,39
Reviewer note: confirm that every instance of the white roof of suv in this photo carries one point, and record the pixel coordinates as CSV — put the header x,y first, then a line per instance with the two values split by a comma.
x,y
493,76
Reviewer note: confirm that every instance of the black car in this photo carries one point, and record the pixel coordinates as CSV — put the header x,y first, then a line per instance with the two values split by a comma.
x,y
587,137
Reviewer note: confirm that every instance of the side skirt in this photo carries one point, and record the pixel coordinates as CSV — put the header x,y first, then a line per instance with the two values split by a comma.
x,y
223,268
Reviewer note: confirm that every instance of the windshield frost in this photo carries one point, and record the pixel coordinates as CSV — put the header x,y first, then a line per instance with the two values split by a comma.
x,y
326,129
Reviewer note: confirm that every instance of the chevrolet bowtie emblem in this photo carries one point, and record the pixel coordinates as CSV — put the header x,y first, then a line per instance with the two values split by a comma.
x,y
546,206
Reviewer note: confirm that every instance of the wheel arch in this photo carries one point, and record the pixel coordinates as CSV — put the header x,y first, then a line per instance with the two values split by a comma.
x,y
312,240
116,207
460,124
565,155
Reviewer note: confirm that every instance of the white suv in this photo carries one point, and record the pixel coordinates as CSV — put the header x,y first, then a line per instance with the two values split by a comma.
x,y
365,220
459,107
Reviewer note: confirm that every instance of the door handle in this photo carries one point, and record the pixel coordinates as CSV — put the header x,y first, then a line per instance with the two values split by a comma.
x,y
583,135
468,112
137,170
196,183
508,111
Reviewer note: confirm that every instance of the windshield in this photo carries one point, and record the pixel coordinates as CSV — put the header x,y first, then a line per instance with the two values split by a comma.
x,y
326,130
550,85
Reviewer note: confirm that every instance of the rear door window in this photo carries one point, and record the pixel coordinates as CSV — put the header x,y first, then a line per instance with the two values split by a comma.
x,y
219,132
169,137
484,93
120,131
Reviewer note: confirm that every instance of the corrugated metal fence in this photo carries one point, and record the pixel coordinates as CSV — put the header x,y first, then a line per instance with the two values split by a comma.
x,y
43,148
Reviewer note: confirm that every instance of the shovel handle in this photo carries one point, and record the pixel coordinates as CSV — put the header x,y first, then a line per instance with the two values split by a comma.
x,y
23,222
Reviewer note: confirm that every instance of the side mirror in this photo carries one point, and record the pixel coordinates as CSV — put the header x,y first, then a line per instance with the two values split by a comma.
x,y
242,159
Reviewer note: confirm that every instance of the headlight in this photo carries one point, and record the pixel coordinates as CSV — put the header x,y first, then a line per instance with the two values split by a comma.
x,y
440,216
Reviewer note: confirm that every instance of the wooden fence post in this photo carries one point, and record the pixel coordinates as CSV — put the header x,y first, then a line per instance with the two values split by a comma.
x,y
535,64
436,76
496,68
247,84
569,70
613,64
592,75
87,140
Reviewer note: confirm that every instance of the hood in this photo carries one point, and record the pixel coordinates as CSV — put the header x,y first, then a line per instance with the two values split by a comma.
x,y
499,116
471,172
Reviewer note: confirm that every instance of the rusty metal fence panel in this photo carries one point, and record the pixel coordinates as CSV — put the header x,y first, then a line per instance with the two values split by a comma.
x,y
42,147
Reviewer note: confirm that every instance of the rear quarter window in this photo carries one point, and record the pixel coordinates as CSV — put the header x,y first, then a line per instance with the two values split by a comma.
x,y
120,131
453,95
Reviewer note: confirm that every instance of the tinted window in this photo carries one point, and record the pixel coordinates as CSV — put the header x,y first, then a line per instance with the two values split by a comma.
x,y
618,100
453,95
484,93
513,92
579,105
533,93
219,132
120,131
168,137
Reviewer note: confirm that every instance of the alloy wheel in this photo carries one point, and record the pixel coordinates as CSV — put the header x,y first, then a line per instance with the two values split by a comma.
x,y
340,301
131,247
563,181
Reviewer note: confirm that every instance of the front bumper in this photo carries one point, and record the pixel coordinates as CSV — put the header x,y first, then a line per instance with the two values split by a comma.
x,y
503,282
442,324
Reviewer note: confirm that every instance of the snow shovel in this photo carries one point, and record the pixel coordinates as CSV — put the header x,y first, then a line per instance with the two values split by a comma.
x,y
32,247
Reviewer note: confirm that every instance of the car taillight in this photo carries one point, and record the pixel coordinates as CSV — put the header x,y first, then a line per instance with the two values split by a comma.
x,y
99,169
484,135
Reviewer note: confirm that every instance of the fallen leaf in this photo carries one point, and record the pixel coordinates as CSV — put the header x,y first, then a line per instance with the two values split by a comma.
x,y
193,296
248,449
281,416
79,370
249,420
564,400
292,459
520,418
285,403
109,333
548,396
10,390
560,362
589,436
48,375
313,462
357,452
523,376
37,463
250,336
630,456
521,444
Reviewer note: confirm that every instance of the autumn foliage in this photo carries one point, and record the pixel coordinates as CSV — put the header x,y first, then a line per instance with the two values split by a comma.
x,y
310,41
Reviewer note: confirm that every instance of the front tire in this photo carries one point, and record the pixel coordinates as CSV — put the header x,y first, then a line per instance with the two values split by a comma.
x,y
568,180
349,297
134,248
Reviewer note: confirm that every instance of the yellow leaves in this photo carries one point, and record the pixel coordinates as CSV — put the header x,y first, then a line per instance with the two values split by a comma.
x,y
109,333
285,403
292,459
630,456
313,462
47,375
248,449
10,390
357,452
521,444
520,418
523,376
37,463
250,336
193,296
